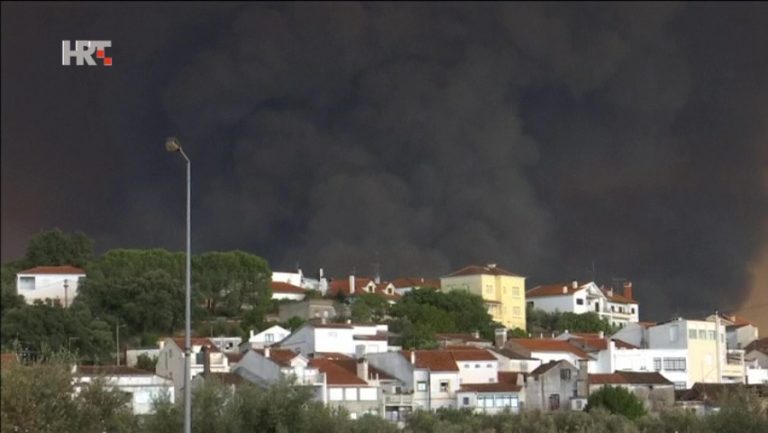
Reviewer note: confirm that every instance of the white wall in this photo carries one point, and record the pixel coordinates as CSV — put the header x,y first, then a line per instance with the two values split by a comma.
x,y
268,336
144,389
478,371
440,399
49,286
278,296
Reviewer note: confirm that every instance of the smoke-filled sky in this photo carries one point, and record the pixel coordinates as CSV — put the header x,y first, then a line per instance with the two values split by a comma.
x,y
552,139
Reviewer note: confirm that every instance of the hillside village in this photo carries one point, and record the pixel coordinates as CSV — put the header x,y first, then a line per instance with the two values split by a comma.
x,y
366,369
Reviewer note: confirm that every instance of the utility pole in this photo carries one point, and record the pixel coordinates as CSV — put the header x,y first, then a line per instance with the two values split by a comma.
x,y
66,287
717,346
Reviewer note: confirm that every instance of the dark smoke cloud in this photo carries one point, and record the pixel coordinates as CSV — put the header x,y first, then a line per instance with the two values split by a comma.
x,y
422,138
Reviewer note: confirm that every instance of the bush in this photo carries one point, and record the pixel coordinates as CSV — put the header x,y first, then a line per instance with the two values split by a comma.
x,y
617,400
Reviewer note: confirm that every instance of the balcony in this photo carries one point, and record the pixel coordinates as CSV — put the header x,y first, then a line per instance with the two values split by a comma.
x,y
398,399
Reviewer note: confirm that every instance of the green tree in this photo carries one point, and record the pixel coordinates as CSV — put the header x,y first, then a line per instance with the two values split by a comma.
x,y
9,299
55,248
369,307
616,400
146,362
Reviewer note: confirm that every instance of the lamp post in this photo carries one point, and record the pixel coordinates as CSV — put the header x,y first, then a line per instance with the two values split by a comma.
x,y
117,340
172,145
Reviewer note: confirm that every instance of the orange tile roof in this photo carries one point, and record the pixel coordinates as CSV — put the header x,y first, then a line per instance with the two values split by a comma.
x,y
341,286
554,290
350,365
760,345
629,377
602,343
64,270
280,287
482,270
550,345
335,374
404,282
619,299
434,360
281,357
508,377
543,368
331,355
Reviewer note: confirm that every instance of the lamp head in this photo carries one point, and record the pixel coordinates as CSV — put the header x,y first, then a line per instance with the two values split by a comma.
x,y
172,144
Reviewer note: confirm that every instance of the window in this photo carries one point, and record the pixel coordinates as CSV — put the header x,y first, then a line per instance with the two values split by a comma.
x,y
444,386
488,289
465,401
554,402
702,334
489,365
692,334
516,311
199,357
530,304
633,310
680,385
466,365
674,364
579,301
26,283
711,335
333,334
477,365
421,386
516,291
350,394
673,333
269,338
565,374
597,307
657,364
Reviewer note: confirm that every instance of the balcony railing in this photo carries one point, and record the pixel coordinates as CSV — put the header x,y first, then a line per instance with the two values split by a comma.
x,y
398,399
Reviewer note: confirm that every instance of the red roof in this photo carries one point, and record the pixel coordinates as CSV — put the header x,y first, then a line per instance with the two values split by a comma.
x,y
490,387
482,270
280,357
760,345
335,374
508,377
629,377
62,270
543,368
404,282
110,370
350,365
280,287
619,299
341,285
549,345
602,343
434,360
554,290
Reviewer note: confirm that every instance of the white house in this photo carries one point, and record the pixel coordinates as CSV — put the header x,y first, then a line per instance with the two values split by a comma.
x,y
287,291
144,387
49,282
347,338
548,350
580,298
265,338
170,363
298,279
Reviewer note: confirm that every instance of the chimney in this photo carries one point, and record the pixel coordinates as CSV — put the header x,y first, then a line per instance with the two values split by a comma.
x,y
601,334
206,360
610,292
575,284
320,275
565,290
476,334
349,321
352,284
582,380
491,265
501,337
323,320
362,369
267,352
413,357
628,290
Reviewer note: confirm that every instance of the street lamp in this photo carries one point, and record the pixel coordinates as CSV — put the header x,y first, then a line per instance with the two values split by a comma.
x,y
173,145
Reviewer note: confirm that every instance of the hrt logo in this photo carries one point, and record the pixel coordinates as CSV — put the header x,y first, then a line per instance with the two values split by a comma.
x,y
83,52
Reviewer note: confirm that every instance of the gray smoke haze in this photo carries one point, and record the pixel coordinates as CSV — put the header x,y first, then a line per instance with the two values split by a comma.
x,y
542,137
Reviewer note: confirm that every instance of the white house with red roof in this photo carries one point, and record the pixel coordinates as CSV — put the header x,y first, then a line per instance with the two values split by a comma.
x,y
355,286
550,349
287,291
58,283
579,298
170,362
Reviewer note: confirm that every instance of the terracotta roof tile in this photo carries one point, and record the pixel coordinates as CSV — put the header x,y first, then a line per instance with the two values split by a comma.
x,y
64,270
554,290
629,377
335,374
472,355
760,345
549,345
281,357
482,270
508,377
111,370
280,287
420,282
600,343
350,365
543,368
434,360
490,387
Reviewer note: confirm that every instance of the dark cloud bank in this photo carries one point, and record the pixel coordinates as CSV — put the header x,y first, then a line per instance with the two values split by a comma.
x,y
544,138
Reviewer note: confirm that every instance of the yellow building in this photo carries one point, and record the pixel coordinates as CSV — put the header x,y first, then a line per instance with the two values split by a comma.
x,y
502,291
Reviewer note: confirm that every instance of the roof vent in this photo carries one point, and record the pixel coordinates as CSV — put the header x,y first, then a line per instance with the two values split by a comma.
x,y
491,265
565,289
575,284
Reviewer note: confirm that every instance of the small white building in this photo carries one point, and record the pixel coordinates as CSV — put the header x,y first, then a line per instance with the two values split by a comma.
x,y
298,279
144,387
347,338
581,298
265,338
58,283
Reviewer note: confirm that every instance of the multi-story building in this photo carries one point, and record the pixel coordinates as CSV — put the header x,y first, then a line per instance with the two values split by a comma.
x,y
170,362
502,291
580,298
347,338
58,283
